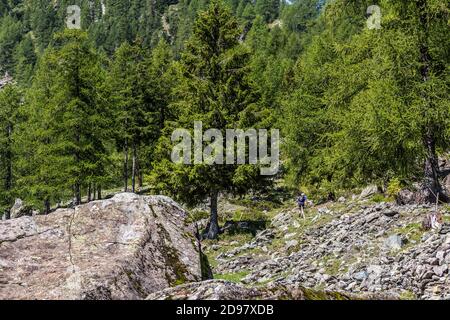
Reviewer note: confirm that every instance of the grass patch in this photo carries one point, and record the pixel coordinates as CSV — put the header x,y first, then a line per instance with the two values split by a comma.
x,y
379,197
330,264
412,231
407,295
312,294
232,277
197,215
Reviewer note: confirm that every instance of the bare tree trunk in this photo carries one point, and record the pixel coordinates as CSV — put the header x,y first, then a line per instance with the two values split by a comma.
x,y
213,226
99,192
133,170
94,188
125,165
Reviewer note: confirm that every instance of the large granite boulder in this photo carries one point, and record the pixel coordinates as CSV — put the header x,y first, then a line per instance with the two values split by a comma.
x,y
125,247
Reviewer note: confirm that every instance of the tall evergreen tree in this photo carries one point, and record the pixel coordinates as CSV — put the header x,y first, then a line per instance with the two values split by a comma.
x,y
139,98
215,90
10,100
64,137
373,103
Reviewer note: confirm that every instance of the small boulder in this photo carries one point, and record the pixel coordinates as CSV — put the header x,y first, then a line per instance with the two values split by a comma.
x,y
446,183
19,209
360,276
394,242
389,213
291,244
368,191
405,197
445,229
440,270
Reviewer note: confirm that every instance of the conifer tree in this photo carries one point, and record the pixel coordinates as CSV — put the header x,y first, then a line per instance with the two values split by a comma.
x,y
373,103
67,120
10,100
216,90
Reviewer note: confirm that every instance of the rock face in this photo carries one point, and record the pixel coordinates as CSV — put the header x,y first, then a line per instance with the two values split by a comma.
x,y
125,247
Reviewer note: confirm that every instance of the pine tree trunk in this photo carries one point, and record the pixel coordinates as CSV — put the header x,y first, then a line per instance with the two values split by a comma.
x,y
125,166
99,192
47,206
140,180
94,188
133,171
139,174
77,194
89,192
213,226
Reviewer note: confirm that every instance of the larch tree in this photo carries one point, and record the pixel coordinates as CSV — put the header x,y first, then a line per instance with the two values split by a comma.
x,y
10,101
67,120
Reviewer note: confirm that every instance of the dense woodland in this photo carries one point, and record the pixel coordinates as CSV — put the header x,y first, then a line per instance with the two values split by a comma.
x,y
94,109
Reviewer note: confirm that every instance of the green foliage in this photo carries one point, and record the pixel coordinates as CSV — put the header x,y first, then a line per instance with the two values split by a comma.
x,y
63,139
268,9
10,102
394,187
355,106
232,277
10,35
377,198
215,89
361,107
197,215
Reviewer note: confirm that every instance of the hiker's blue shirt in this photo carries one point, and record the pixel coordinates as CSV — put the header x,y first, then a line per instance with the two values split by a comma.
x,y
302,200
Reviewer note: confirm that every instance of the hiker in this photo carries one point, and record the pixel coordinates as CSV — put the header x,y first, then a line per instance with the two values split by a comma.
x,y
301,201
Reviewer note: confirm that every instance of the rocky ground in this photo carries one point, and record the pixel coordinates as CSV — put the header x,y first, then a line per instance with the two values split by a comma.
x,y
226,290
358,247
138,247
